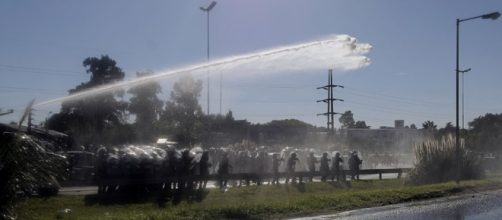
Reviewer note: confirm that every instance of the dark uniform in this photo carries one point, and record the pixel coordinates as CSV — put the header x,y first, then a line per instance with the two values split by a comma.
x,y
311,161
185,171
291,163
324,169
204,169
275,168
354,163
223,171
261,168
100,169
336,167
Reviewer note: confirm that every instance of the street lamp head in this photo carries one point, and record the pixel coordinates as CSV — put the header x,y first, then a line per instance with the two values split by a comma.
x,y
492,16
465,71
209,7
213,3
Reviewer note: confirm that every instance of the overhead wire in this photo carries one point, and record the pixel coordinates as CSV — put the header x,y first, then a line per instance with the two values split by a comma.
x,y
391,97
43,71
351,90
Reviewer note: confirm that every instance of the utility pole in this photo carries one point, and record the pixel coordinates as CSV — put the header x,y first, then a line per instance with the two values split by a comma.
x,y
330,114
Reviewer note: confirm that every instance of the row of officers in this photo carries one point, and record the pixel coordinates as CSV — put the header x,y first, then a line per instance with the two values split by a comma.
x,y
180,169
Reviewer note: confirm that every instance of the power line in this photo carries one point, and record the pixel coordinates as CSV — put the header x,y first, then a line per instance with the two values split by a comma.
x,y
4,92
40,73
25,88
10,111
273,115
392,97
273,101
274,86
393,111
4,70
350,89
40,69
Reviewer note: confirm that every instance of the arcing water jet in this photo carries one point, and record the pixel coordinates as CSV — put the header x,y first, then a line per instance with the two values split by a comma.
x,y
341,52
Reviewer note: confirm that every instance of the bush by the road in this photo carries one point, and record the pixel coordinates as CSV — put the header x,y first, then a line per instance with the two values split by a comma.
x,y
436,162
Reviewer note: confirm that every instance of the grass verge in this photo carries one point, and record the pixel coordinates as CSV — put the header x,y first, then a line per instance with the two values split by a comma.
x,y
254,202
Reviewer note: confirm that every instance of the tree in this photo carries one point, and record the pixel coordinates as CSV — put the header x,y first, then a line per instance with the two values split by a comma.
x,y
100,118
103,70
223,130
288,131
182,116
413,126
429,125
347,120
448,129
486,133
229,116
146,106
361,124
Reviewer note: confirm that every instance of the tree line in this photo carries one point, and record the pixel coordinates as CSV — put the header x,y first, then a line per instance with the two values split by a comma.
x,y
109,119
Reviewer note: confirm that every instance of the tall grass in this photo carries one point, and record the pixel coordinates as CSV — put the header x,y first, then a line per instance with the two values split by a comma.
x,y
436,162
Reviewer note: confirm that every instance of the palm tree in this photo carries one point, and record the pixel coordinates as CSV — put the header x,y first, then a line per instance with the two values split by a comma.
x,y
429,125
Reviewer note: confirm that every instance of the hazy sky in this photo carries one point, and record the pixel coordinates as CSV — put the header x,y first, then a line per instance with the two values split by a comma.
x,y
411,75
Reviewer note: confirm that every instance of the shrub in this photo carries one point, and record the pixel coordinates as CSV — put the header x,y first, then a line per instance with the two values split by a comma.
x,y
436,162
26,166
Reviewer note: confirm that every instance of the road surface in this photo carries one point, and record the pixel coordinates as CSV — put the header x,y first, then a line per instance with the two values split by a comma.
x,y
486,205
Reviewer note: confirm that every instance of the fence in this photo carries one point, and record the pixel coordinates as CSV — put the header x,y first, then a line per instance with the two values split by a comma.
x,y
254,176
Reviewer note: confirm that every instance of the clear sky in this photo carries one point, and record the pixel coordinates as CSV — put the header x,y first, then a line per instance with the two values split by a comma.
x,y
411,76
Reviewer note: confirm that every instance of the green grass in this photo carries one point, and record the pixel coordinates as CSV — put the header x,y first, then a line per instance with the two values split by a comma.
x,y
254,202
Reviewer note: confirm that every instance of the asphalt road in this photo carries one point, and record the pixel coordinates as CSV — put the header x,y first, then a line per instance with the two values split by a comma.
x,y
486,205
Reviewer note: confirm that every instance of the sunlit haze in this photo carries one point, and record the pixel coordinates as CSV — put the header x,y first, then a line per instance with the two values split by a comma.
x,y
411,76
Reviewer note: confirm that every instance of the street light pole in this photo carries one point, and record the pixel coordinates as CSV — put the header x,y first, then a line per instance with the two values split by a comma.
x,y
457,130
207,10
463,89
492,16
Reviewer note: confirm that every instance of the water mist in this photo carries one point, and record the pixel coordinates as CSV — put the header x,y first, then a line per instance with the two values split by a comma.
x,y
340,52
